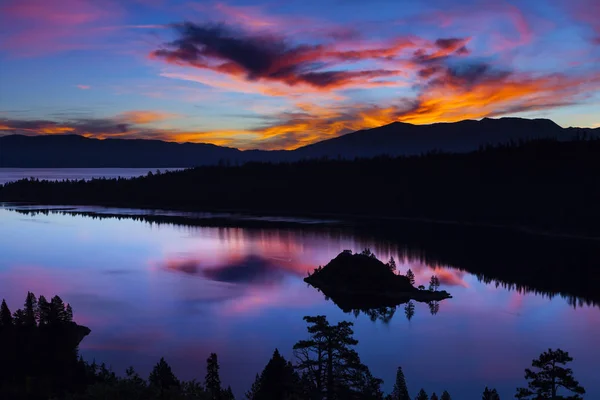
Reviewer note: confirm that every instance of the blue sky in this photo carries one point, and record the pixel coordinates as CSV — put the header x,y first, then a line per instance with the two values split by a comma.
x,y
272,75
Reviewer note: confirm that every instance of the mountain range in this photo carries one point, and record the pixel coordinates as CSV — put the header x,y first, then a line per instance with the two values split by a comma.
x,y
395,139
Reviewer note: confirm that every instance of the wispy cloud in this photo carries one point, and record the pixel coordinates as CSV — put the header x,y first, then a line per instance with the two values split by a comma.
x,y
39,27
84,87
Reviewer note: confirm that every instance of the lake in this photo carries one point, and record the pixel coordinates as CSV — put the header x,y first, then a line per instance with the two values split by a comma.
x,y
58,174
149,290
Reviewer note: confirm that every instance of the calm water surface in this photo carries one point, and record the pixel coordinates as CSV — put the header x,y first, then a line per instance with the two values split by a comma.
x,y
58,174
150,290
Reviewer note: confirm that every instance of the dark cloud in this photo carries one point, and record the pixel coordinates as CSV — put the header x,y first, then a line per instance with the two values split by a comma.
x,y
267,57
469,74
444,50
92,126
428,72
450,43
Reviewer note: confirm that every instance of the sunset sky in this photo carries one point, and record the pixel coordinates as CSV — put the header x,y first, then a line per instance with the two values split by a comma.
x,y
282,74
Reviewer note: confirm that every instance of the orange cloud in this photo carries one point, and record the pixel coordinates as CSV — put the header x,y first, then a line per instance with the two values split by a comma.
x,y
145,117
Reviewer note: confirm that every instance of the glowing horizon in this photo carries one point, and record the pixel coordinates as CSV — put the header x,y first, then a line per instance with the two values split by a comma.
x,y
247,74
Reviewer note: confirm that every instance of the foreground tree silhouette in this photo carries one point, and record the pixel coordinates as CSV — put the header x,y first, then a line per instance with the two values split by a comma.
x,y
212,382
330,365
400,391
434,396
490,394
446,396
30,313
550,378
162,377
422,395
5,316
277,381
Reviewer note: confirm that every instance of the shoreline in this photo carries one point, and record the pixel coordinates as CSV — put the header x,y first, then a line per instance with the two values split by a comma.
x,y
247,218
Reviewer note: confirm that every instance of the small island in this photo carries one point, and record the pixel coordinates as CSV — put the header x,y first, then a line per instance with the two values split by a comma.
x,y
361,281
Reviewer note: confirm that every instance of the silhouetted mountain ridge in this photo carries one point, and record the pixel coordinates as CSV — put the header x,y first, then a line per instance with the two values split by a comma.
x,y
397,138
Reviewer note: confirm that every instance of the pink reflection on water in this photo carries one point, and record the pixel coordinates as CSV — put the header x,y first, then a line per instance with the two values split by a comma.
x,y
148,291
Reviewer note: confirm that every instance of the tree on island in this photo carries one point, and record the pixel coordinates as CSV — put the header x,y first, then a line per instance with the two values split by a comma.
x,y
400,391
550,377
391,264
446,396
330,364
434,283
367,252
490,394
411,276
422,395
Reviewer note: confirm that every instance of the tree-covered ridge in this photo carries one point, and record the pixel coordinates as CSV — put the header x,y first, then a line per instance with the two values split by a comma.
x,y
543,185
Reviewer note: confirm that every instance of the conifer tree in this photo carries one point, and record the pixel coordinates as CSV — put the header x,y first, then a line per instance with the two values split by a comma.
x,y
69,314
19,318
550,378
255,389
161,377
446,395
227,394
411,276
5,315
30,310
434,283
57,313
422,395
400,391
212,381
277,381
329,360
392,264
434,396
490,394
43,311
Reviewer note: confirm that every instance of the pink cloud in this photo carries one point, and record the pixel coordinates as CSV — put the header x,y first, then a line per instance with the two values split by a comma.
x,y
40,27
84,87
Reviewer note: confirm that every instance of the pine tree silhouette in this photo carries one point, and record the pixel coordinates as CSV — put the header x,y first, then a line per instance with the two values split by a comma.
x,y
5,315
411,276
550,377
422,395
400,391
446,396
277,381
212,381
162,377
490,394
